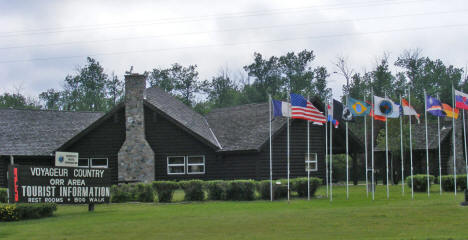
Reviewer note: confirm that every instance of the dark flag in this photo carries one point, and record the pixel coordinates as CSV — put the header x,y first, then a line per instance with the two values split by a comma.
x,y
341,112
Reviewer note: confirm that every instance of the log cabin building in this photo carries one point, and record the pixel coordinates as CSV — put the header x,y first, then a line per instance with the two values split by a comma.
x,y
154,136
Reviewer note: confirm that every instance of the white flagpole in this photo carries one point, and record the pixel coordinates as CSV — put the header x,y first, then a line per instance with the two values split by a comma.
x,y
440,159
454,147
271,154
365,150
288,154
347,157
401,152
466,159
372,145
326,146
331,154
464,135
308,157
427,146
386,153
411,146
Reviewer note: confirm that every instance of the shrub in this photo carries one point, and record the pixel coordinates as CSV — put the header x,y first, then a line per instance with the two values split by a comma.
x,y
132,192
165,190
279,190
241,190
216,189
420,182
448,183
461,182
193,190
13,212
121,193
3,195
8,212
299,185
144,193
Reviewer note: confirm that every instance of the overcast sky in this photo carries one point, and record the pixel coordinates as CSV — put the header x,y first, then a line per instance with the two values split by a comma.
x,y
43,41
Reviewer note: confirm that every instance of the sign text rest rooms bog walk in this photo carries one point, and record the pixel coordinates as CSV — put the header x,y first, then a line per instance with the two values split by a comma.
x,y
33,184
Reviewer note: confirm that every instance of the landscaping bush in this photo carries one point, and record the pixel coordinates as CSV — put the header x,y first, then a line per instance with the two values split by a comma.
x,y
299,185
279,190
193,190
121,193
3,195
216,189
132,192
165,190
461,182
241,190
144,193
448,183
420,182
13,212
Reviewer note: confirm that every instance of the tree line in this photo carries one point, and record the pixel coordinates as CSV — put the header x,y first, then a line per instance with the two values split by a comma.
x,y
91,89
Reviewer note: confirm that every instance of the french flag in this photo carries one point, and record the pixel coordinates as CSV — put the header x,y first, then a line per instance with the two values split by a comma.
x,y
461,100
281,109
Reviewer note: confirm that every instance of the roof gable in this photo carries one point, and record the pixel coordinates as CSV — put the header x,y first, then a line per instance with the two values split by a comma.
x,y
244,127
182,114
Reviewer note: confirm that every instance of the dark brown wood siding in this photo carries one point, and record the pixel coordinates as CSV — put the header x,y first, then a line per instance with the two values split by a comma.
x,y
3,171
166,138
104,141
298,151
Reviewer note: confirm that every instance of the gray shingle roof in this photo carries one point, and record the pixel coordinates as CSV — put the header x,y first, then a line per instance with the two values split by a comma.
x,y
181,113
419,135
244,127
39,132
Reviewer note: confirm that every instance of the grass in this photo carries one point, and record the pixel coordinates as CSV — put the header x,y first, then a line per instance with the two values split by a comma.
x,y
437,217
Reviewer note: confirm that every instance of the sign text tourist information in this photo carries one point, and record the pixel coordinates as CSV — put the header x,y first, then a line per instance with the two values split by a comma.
x,y
67,185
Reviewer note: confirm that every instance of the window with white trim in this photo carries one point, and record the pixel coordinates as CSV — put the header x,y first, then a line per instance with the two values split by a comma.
x,y
311,162
83,162
195,164
99,162
176,165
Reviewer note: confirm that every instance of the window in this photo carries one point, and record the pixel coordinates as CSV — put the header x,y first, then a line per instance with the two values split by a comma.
x,y
99,162
186,165
83,162
311,163
176,165
196,164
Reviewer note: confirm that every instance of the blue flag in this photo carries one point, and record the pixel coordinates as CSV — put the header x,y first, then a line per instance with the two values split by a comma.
x,y
281,109
434,106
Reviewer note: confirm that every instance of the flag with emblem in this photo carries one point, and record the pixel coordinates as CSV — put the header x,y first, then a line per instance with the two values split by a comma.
x,y
358,108
386,107
461,100
434,107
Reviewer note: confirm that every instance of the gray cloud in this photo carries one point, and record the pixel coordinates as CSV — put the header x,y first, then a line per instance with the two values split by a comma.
x,y
361,50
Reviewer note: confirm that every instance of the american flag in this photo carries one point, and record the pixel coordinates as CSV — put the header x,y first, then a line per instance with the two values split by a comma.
x,y
303,109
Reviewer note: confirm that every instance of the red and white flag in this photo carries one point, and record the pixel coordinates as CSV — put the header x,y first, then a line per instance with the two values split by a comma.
x,y
303,109
408,109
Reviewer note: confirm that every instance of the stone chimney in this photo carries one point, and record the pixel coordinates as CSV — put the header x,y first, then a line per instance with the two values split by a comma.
x,y
135,157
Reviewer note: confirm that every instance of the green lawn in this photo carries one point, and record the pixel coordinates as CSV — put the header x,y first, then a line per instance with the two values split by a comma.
x,y
439,217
